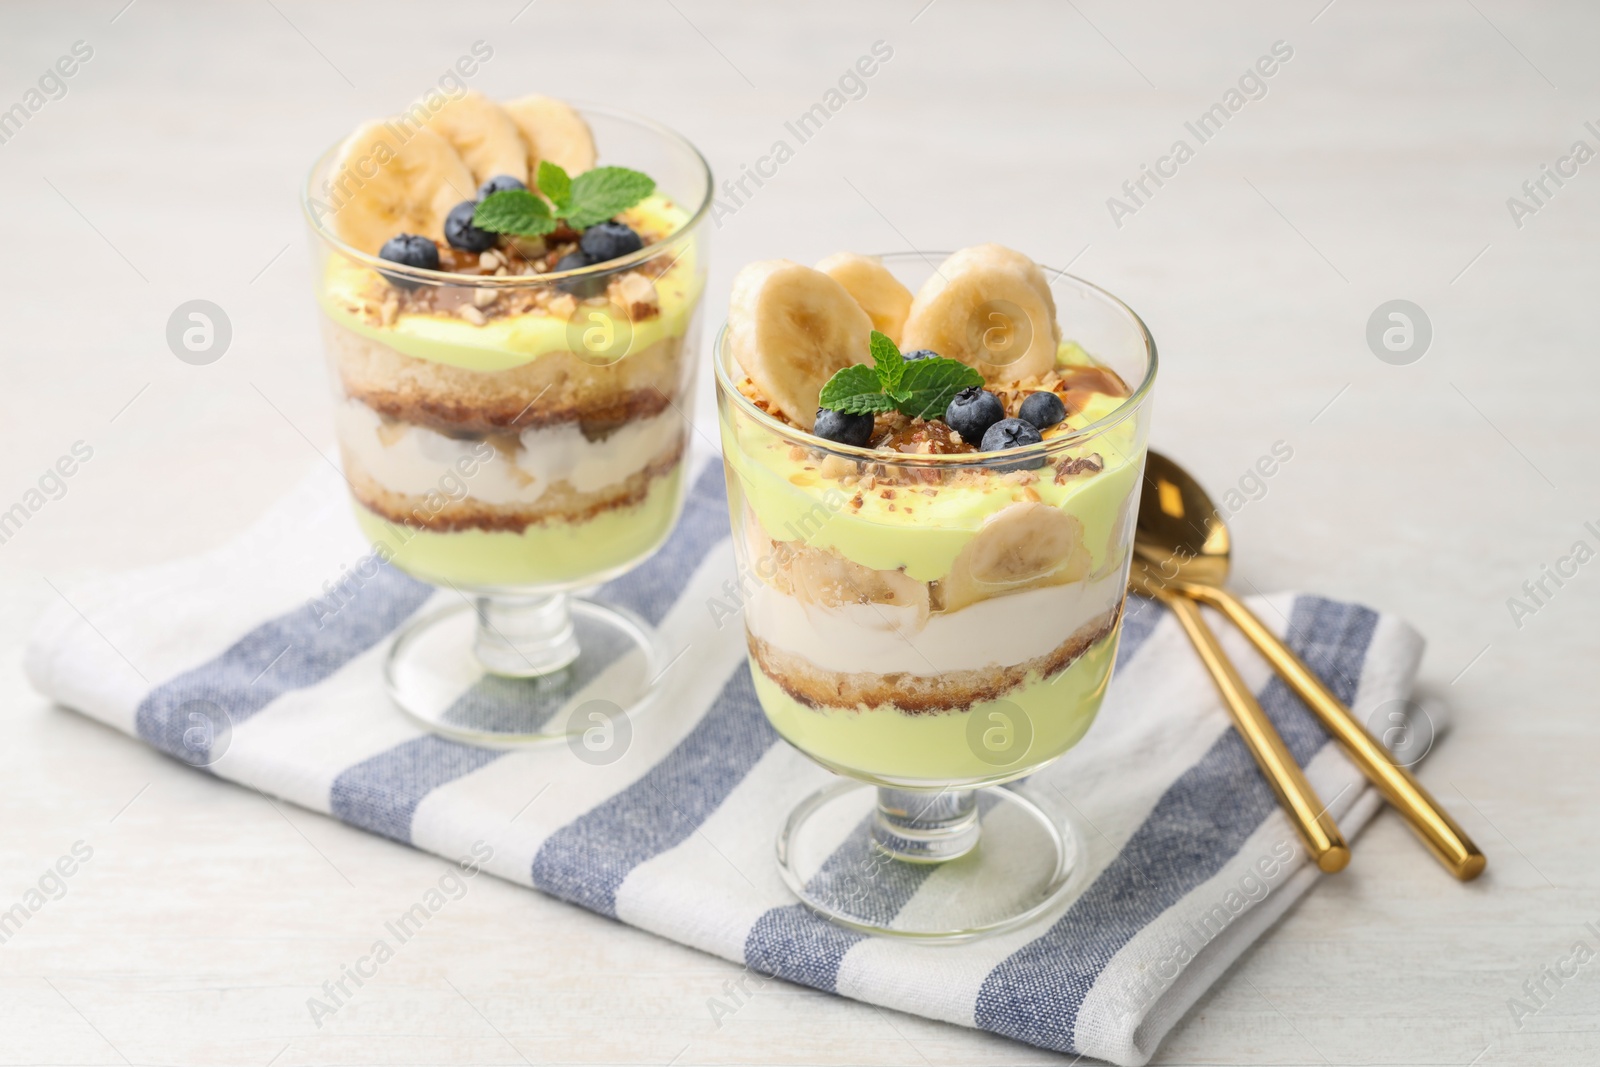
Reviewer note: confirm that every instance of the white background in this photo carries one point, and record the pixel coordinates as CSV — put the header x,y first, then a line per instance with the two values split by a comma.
x,y
1377,167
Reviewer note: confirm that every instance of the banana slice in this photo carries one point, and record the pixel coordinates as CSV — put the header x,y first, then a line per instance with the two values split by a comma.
x,y
790,328
1023,545
769,560
831,581
484,135
879,293
553,131
389,189
1120,537
818,577
991,308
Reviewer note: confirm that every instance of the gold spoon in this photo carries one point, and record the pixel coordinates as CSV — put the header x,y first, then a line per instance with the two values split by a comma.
x,y
1184,545
1310,817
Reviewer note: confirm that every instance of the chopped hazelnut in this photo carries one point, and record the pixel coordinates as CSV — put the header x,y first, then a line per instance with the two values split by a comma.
x,y
837,467
637,294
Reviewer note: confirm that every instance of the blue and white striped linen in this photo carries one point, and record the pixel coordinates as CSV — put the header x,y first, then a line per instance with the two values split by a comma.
x,y
1187,859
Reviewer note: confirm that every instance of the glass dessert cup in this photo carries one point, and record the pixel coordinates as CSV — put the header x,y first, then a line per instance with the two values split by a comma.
x,y
514,438
930,626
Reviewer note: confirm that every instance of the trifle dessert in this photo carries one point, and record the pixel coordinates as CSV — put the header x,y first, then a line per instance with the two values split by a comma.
x,y
510,323
933,481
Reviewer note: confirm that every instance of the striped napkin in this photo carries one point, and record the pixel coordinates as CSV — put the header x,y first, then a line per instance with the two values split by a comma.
x,y
1187,860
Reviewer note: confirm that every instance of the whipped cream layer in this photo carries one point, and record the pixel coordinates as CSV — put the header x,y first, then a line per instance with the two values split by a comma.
x,y
886,639
414,460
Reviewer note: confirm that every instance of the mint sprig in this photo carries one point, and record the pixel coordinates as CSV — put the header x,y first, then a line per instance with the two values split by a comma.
x,y
922,388
600,193
514,211
593,196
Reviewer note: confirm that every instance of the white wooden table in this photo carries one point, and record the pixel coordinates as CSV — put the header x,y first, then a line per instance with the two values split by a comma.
x,y
1376,166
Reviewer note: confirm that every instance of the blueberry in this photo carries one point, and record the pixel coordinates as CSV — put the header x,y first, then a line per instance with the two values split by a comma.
x,y
410,251
462,234
972,411
846,429
609,240
1044,410
921,353
1008,434
499,184
581,287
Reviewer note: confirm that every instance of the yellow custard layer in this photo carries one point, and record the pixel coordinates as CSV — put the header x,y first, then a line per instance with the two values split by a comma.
x,y
352,293
992,741
794,500
549,554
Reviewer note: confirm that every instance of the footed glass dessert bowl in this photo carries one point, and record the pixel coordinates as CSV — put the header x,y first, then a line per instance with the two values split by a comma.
x,y
511,332
933,497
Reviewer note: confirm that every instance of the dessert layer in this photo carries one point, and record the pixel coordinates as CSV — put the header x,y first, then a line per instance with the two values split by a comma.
x,y
441,509
560,387
928,690
361,300
1002,633
547,554
1043,718
514,468
918,520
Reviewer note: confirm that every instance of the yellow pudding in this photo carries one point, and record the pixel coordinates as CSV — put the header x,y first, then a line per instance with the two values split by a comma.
x,y
554,554
921,533
353,294
999,739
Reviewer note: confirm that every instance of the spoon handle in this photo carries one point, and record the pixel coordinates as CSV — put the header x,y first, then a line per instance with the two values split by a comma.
x,y
1295,795
1400,788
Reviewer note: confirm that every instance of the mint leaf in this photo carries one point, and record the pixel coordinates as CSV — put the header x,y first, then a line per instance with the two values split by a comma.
x,y
886,359
855,390
600,193
864,404
927,386
514,211
554,183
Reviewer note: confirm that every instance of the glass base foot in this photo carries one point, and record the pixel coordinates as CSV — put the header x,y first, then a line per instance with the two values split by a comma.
x,y
506,673
934,866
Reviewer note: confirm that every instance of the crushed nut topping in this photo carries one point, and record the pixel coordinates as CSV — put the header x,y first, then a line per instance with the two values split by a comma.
x,y
1068,468
633,291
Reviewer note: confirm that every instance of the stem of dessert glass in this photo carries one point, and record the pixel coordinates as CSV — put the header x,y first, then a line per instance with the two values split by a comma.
x,y
524,637
926,826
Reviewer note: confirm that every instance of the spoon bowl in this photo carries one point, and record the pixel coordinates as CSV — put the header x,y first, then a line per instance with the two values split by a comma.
x,y
1180,531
